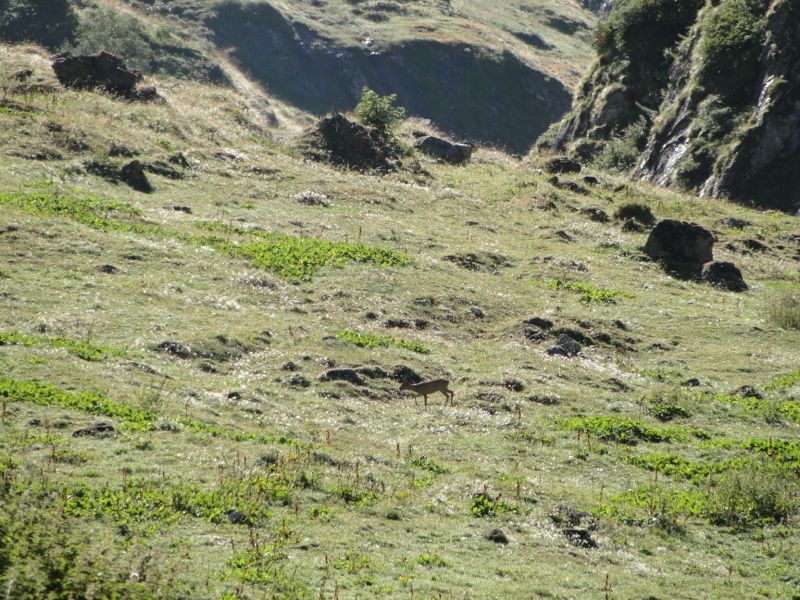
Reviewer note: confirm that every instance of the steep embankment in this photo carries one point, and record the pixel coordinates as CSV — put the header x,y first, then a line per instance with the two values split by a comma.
x,y
707,93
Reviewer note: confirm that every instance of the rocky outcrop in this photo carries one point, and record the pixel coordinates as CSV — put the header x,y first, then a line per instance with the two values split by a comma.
x,y
715,97
445,150
104,71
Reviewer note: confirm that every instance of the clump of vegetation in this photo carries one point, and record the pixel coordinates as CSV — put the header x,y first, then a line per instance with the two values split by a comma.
x,y
732,40
88,402
753,496
427,464
621,152
484,506
784,309
784,383
113,31
680,468
369,340
51,23
379,111
79,348
591,293
621,430
665,406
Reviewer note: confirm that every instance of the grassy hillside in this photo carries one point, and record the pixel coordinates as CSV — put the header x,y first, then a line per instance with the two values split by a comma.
x,y
199,322
446,60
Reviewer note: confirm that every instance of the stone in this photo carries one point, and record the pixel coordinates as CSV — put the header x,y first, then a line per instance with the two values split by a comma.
x,y
748,391
632,226
755,245
579,537
102,70
445,150
724,275
176,349
497,536
735,223
298,380
562,164
596,214
539,322
565,346
133,174
110,269
477,312
591,180
348,375
680,245
312,198
101,429
405,374
290,366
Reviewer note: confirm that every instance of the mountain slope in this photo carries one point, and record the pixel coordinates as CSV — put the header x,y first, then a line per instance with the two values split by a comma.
x,y
172,423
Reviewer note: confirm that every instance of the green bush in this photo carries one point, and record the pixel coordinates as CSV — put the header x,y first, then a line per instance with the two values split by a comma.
x,y
621,152
733,35
752,496
637,212
379,111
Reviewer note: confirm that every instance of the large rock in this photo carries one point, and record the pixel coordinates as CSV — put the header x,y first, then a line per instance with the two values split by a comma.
x,y
724,275
682,246
450,152
342,142
103,70
133,174
565,346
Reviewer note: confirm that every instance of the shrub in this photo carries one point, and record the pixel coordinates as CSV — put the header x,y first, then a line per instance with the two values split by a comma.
x,y
733,35
621,152
750,496
784,309
378,111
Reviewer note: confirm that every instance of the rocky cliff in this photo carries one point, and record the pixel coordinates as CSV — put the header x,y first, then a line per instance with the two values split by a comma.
x,y
699,96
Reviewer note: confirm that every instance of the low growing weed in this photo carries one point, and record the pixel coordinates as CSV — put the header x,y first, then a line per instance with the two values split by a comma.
x,y
81,349
368,340
622,430
590,293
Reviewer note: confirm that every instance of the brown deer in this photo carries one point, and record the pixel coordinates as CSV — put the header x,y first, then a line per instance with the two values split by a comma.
x,y
430,387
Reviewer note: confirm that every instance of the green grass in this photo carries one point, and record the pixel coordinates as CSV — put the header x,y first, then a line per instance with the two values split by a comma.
x,y
590,293
369,340
623,430
85,350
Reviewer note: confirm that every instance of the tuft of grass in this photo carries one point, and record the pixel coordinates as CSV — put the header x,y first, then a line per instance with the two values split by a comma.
x,y
622,430
484,506
81,349
751,496
590,293
85,208
427,464
676,467
784,383
368,340
784,310
431,559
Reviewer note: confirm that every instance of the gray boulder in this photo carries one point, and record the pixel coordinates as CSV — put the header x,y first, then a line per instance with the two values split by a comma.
x,y
565,346
450,152
724,275
562,164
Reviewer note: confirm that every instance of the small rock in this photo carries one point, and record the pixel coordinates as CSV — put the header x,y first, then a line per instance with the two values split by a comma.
x,y
298,380
116,149
596,214
142,367
311,198
183,209
35,422
735,223
230,154
95,430
477,312
539,322
632,226
397,324
619,325
405,374
579,537
544,399
133,174
724,275
565,346
110,269
175,348
755,245
445,150
591,180
348,375
235,517
693,382
748,391
290,366
562,164
373,372
564,236
497,536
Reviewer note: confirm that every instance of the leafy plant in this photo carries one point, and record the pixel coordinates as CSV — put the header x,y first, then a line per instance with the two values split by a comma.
x,y
591,293
484,506
620,152
621,430
79,348
379,111
751,496
369,340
